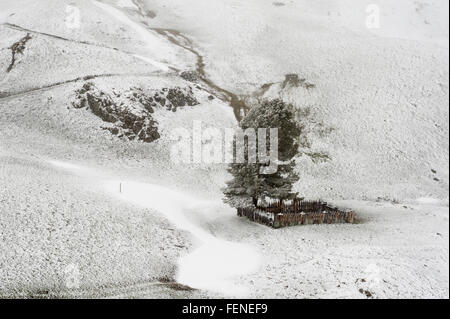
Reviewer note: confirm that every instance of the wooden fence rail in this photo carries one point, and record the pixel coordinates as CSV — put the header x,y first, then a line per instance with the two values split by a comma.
x,y
297,212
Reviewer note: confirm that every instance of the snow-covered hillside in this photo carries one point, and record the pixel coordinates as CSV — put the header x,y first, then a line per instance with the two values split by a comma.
x,y
378,110
88,105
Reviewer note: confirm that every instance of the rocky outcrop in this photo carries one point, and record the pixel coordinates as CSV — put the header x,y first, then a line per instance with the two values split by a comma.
x,y
130,112
179,97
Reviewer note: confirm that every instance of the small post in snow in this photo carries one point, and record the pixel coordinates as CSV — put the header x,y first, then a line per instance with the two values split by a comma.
x,y
120,187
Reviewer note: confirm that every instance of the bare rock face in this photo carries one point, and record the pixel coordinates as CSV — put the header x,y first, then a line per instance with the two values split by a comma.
x,y
293,80
18,48
130,112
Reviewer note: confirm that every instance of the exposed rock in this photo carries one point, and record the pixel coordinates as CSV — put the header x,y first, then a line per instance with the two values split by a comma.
x,y
190,76
128,121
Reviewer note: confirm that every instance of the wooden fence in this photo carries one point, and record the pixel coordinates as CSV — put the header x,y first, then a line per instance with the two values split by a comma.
x,y
297,212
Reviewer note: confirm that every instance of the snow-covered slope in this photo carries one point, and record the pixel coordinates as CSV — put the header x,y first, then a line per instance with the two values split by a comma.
x,y
52,221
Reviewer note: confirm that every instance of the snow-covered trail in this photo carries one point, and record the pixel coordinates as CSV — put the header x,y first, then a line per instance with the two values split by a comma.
x,y
214,263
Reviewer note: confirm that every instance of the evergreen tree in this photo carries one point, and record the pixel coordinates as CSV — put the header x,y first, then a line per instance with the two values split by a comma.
x,y
248,183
